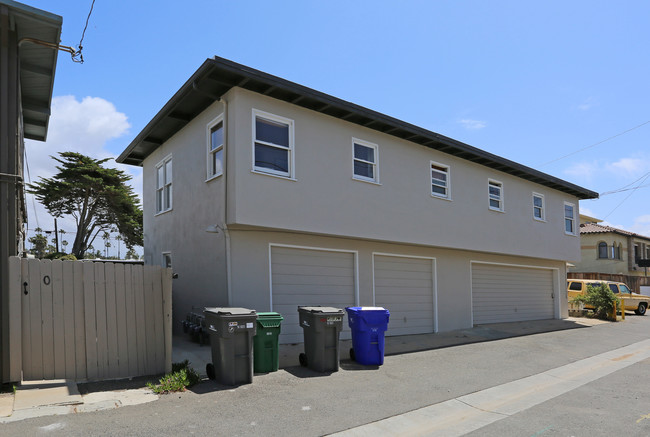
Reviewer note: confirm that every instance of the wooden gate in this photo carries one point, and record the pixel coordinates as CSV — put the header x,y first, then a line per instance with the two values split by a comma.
x,y
88,321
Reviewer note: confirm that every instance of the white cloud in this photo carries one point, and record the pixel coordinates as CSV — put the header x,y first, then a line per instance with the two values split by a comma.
x,y
583,170
632,166
642,225
472,124
588,104
76,126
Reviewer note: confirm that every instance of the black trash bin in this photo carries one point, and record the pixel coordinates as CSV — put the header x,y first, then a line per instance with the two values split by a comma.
x,y
321,329
231,337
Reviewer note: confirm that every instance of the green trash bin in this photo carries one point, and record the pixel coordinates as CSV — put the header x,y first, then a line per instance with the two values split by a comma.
x,y
265,343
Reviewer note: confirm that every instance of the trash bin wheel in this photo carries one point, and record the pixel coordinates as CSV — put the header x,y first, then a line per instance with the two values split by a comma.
x,y
209,369
352,356
303,359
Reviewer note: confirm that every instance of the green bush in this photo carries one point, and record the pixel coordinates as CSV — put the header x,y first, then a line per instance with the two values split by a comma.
x,y
181,376
601,298
62,256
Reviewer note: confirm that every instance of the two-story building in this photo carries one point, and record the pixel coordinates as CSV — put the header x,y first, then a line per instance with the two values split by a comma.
x,y
263,193
29,38
610,250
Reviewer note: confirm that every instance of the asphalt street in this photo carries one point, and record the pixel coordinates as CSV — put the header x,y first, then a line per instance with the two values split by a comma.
x,y
297,401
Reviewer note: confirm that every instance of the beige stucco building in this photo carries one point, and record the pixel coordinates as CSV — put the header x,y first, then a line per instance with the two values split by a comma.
x,y
605,249
265,194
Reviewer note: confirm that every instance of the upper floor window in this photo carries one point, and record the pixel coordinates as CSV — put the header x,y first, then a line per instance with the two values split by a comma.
x,y
495,192
569,218
602,250
273,146
164,185
364,160
215,147
637,253
538,207
440,181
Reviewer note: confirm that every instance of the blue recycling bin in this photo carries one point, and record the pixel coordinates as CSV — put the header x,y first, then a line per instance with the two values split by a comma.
x,y
368,325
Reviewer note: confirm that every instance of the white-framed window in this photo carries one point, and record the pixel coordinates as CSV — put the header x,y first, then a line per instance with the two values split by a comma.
x,y
440,180
273,144
365,161
538,207
167,260
495,195
569,218
164,185
215,147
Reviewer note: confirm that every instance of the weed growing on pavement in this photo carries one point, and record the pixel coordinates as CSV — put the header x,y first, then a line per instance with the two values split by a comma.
x,y
181,377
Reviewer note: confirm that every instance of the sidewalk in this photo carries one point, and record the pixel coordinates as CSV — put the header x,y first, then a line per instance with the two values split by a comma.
x,y
60,397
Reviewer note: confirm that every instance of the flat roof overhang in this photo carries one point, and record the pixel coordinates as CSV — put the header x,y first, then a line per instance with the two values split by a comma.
x,y
216,76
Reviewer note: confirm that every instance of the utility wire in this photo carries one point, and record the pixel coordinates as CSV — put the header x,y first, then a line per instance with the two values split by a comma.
x,y
628,196
78,56
595,144
627,187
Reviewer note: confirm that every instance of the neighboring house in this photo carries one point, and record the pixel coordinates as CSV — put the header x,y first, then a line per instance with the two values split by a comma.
x,y
610,250
26,82
265,194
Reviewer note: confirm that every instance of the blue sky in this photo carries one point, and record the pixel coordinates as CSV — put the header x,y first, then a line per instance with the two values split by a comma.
x,y
530,81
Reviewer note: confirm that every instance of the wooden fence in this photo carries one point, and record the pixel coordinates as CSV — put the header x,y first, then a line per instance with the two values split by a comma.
x,y
634,282
87,321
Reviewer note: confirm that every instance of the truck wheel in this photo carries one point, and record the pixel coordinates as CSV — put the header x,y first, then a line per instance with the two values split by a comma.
x,y
641,310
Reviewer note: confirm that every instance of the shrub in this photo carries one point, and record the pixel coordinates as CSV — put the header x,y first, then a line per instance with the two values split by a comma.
x,y
601,298
181,376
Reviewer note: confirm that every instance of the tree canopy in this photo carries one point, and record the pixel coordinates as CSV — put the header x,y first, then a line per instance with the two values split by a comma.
x,y
97,197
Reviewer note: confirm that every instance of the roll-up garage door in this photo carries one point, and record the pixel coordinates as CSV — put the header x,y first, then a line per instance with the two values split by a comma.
x,y
404,286
309,277
511,294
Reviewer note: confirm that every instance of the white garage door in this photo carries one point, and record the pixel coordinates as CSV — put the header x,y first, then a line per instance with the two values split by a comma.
x,y
511,294
404,286
309,277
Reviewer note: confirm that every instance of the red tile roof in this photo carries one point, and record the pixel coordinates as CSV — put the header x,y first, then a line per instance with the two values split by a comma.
x,y
593,228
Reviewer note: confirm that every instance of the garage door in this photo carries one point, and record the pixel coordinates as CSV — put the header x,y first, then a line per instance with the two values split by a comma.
x,y
511,294
309,277
404,286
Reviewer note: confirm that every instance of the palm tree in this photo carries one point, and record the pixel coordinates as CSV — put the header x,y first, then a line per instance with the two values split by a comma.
x,y
118,238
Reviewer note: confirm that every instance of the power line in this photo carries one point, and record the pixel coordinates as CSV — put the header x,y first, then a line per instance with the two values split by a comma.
x,y
596,144
628,196
627,187
77,56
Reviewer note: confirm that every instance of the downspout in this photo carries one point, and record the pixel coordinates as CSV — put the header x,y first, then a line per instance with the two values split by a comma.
x,y
225,199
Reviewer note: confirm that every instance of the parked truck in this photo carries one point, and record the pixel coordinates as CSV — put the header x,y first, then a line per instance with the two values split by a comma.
x,y
631,301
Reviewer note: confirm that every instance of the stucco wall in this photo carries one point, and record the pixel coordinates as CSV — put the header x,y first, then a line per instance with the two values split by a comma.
x,y
198,257
251,283
591,263
325,198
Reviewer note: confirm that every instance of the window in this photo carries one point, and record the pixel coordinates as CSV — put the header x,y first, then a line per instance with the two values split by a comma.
x,y
215,147
495,190
575,286
167,260
637,255
538,207
364,160
618,251
602,250
440,183
614,288
624,289
164,185
272,144
569,219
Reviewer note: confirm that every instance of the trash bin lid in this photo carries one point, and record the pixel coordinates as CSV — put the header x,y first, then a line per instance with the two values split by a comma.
x,y
230,311
366,308
320,309
269,320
